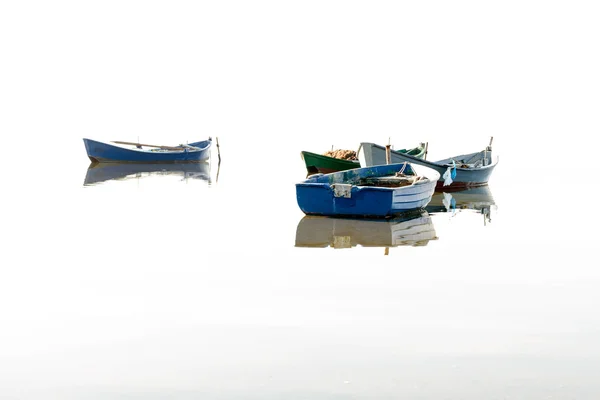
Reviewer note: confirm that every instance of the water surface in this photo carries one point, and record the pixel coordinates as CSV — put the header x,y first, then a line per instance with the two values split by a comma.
x,y
207,281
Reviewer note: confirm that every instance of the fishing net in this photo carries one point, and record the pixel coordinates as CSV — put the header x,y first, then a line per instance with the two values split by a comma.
x,y
342,154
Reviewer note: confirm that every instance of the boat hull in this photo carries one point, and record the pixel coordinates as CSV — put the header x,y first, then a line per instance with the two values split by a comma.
x,y
108,153
466,177
342,194
318,163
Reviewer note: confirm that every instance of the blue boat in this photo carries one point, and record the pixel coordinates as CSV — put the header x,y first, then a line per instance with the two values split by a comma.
x,y
456,173
118,152
379,191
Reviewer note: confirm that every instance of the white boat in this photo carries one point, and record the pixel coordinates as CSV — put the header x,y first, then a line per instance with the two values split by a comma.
x,y
456,173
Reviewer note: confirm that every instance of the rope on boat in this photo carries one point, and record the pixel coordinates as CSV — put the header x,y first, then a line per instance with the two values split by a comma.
x,y
402,169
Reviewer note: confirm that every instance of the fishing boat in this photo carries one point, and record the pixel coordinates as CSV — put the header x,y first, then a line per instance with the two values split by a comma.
x,y
370,154
103,172
325,164
122,152
378,191
414,229
456,173
319,163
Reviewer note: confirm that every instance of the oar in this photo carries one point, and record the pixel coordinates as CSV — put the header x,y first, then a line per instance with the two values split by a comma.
x,y
149,145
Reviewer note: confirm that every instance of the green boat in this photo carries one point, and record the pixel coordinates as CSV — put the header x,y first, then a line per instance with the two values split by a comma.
x,y
319,163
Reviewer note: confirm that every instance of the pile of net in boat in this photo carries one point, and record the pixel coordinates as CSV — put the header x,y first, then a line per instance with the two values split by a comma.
x,y
342,154
392,181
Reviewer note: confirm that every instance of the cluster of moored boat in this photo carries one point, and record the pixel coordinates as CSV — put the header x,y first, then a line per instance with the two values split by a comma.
x,y
382,182
376,181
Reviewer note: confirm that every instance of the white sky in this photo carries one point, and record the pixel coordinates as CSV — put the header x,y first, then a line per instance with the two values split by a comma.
x,y
305,74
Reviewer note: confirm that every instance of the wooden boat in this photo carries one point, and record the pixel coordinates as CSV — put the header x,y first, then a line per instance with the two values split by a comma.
x,y
379,191
456,173
416,229
102,172
370,154
118,152
319,163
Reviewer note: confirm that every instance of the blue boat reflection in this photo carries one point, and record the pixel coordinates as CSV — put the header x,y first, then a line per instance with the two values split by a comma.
x,y
316,231
478,199
102,172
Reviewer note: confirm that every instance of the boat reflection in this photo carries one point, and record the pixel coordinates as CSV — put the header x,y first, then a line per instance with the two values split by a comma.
x,y
339,233
478,199
102,172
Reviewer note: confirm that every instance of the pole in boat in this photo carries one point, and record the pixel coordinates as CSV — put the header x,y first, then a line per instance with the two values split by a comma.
x,y
219,163
388,155
426,147
218,169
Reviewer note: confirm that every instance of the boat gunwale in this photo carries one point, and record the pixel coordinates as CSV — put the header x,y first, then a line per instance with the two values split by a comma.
x,y
194,149
437,164
328,158
365,187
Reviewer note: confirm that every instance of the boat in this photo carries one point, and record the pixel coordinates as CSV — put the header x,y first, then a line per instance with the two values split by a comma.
x,y
103,172
415,229
325,164
456,173
378,191
319,163
118,151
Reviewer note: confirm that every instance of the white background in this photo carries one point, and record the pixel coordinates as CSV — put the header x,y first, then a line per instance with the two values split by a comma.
x,y
102,293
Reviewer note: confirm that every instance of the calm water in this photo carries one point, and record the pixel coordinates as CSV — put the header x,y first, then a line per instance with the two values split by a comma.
x,y
207,281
